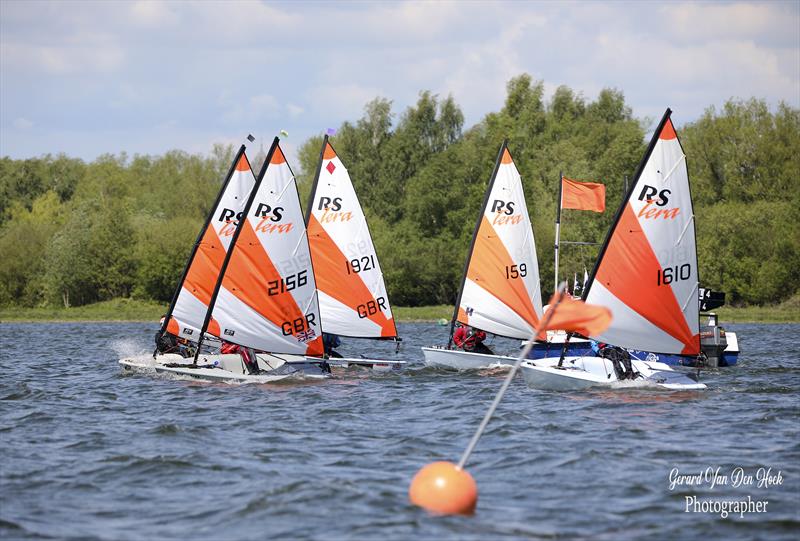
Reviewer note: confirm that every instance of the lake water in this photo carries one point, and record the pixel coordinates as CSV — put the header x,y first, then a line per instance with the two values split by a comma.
x,y
91,453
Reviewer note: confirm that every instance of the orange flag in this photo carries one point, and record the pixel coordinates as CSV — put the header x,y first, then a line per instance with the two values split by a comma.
x,y
583,195
574,315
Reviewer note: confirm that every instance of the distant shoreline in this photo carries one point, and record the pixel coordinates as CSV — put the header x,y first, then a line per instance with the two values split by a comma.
x,y
128,310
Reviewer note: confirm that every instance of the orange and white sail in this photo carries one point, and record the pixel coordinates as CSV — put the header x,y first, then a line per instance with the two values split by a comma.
x,y
500,293
188,311
352,293
267,297
647,270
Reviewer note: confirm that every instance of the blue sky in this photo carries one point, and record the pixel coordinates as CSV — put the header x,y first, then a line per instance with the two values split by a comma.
x,y
88,78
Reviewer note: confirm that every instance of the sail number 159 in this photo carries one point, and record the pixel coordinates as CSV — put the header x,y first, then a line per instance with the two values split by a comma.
x,y
674,274
515,271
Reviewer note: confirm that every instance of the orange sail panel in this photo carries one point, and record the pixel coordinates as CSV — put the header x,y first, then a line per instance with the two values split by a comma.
x,y
191,304
336,278
500,293
488,268
352,294
267,299
648,275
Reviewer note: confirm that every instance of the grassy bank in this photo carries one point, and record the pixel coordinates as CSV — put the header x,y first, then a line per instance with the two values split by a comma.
x,y
115,310
133,310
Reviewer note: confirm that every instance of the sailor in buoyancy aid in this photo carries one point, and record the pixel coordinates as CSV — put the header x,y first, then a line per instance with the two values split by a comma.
x,y
470,339
169,343
619,357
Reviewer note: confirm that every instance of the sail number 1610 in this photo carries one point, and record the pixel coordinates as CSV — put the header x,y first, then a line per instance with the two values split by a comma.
x,y
674,274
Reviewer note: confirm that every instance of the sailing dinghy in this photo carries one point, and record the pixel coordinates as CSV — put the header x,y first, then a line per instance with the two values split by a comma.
x,y
500,290
352,294
646,274
249,282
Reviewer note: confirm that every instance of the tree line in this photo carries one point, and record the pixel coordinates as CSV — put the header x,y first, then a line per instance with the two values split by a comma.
x,y
74,233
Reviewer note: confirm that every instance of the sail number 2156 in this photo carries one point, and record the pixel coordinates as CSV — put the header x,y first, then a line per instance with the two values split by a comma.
x,y
674,274
289,283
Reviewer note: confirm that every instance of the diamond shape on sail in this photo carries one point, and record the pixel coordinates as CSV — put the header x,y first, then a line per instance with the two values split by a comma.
x,y
330,167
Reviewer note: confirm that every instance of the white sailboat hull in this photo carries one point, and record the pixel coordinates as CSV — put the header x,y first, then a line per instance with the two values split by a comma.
x,y
463,360
227,367
584,372
376,365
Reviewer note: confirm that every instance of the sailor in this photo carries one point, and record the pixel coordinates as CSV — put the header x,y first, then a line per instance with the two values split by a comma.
x,y
329,342
619,357
248,355
470,339
169,343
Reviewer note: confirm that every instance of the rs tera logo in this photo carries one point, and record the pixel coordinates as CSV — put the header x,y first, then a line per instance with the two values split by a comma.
x,y
503,213
334,204
648,194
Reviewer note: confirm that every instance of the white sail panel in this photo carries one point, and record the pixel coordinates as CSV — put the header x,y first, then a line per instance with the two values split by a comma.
x,y
503,261
194,296
345,262
650,262
268,286
511,324
336,319
627,322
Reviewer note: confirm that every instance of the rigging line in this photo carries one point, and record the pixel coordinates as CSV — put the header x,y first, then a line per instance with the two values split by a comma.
x,y
689,298
286,186
300,241
683,157
511,373
685,227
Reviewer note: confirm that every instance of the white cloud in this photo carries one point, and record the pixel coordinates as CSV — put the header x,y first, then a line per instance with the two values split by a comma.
x,y
23,123
294,110
263,105
153,13
220,69
342,101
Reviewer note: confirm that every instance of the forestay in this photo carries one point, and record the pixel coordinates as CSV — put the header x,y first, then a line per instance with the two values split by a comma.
x,y
267,295
500,293
352,294
188,311
647,270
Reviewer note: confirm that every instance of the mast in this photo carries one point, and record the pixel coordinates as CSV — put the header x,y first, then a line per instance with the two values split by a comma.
x,y
625,200
474,238
228,254
558,226
200,236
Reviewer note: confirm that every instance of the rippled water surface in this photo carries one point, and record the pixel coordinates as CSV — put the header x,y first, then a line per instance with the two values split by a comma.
x,y
91,453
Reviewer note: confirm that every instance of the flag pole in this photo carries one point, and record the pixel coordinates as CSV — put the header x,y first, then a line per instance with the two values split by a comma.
x,y
558,227
511,373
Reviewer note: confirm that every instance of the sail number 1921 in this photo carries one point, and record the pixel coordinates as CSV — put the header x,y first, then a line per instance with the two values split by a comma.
x,y
361,264
674,274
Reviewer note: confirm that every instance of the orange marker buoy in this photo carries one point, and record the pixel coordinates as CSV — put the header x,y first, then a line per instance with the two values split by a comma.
x,y
443,487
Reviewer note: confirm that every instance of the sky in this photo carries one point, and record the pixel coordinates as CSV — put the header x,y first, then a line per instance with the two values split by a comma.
x,y
87,78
